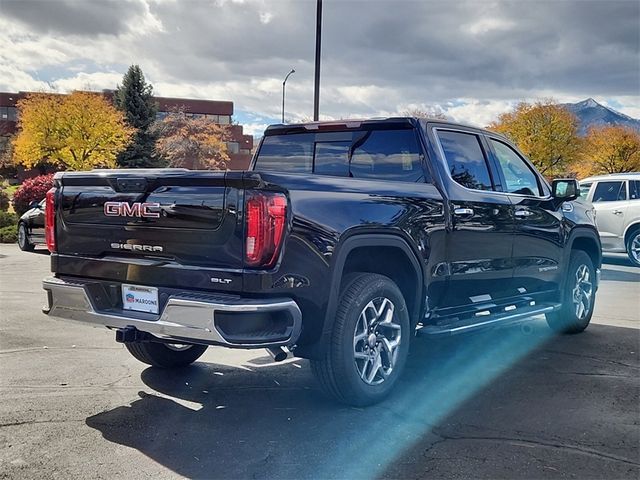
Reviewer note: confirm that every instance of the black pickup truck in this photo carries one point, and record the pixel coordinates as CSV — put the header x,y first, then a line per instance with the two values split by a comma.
x,y
342,241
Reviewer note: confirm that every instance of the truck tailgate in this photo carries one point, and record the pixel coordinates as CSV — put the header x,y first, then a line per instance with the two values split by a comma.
x,y
180,216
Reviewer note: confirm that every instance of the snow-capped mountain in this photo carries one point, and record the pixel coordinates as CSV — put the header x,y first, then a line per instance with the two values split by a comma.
x,y
590,113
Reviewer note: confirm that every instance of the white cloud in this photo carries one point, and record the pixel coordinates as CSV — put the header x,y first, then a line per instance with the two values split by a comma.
x,y
88,81
265,17
254,129
476,112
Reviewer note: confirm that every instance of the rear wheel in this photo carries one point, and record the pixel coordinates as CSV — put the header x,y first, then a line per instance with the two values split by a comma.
x,y
579,296
165,355
633,247
369,342
23,239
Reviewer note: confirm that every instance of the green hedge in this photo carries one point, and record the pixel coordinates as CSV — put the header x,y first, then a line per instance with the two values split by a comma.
x,y
9,234
8,227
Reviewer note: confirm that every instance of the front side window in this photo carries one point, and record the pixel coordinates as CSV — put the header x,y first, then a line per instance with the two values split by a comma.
x,y
612,191
517,175
465,159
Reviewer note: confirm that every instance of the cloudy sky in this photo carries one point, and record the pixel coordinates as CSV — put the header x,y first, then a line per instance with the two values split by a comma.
x,y
471,59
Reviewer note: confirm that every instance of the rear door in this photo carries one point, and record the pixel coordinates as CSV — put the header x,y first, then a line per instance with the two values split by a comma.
x,y
538,242
480,241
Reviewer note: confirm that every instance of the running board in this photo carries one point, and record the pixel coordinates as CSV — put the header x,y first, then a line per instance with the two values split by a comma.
x,y
502,319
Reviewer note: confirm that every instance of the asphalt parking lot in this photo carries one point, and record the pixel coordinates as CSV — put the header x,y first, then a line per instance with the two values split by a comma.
x,y
511,403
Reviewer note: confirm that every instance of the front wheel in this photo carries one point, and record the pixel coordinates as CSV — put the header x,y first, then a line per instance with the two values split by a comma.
x,y
633,247
369,342
23,239
165,355
579,296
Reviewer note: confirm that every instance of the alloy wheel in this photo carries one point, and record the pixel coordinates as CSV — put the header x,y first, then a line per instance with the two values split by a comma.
x,y
376,340
582,292
22,236
178,347
635,247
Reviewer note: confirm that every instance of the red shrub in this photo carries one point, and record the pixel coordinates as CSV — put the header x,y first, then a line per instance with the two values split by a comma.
x,y
33,189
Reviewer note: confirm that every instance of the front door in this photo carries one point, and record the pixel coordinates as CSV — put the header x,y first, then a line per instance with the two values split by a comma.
x,y
610,201
538,241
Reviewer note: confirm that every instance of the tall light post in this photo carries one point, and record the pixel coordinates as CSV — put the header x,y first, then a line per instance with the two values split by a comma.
x,y
284,83
316,89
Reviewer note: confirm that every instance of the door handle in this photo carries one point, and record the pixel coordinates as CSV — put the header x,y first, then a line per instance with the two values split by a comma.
x,y
523,213
617,212
463,212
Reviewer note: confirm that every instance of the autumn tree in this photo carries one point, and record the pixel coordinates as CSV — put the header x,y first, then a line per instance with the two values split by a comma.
x,y
427,113
192,142
77,131
544,131
135,99
609,149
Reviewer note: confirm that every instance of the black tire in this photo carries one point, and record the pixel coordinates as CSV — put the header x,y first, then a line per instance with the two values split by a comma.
x,y
165,356
23,238
570,318
633,246
339,373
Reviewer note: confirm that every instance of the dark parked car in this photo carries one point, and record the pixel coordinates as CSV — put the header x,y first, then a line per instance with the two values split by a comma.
x,y
31,227
342,241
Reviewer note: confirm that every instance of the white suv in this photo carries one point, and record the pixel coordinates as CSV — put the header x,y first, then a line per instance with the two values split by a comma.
x,y
616,199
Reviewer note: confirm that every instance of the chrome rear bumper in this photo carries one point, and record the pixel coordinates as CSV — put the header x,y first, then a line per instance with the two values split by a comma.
x,y
189,317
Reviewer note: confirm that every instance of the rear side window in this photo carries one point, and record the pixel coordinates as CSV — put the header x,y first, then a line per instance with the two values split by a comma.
x,y
634,189
465,159
375,154
613,191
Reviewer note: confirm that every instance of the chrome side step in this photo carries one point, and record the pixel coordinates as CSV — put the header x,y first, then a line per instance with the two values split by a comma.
x,y
488,321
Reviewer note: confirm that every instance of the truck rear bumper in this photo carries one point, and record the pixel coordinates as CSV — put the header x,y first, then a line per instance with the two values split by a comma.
x,y
190,317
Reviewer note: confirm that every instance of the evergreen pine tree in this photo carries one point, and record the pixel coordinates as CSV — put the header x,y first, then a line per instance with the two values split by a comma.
x,y
135,99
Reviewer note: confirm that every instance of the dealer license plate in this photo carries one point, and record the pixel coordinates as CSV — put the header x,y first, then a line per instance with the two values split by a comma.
x,y
140,299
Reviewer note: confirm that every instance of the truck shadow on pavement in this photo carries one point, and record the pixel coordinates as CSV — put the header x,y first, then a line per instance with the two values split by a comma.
x,y
510,402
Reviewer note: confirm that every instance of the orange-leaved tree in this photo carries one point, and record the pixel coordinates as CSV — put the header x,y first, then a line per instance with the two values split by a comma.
x,y
192,142
609,149
545,132
77,131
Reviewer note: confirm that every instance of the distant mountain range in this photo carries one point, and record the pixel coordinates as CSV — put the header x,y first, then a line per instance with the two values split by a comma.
x,y
590,114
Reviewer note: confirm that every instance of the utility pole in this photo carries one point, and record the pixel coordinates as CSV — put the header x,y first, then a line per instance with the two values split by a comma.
x,y
283,85
316,91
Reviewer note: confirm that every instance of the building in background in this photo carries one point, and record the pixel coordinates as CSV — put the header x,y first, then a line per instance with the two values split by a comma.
x,y
239,147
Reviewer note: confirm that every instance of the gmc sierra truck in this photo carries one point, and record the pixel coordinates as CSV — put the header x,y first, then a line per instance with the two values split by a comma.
x,y
341,242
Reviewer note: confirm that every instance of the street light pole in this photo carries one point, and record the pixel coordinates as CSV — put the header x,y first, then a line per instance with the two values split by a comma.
x,y
316,90
284,82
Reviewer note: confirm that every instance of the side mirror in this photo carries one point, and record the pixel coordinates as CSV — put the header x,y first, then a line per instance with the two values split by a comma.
x,y
34,204
565,189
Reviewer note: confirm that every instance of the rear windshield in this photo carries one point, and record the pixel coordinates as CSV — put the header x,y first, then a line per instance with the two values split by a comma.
x,y
378,154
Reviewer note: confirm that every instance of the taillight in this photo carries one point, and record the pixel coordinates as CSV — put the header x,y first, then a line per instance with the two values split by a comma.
x,y
50,220
266,218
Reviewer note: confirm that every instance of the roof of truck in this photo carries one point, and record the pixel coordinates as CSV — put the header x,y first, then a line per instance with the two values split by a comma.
x,y
358,122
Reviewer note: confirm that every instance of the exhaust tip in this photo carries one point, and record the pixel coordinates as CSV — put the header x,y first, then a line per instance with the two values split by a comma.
x,y
277,353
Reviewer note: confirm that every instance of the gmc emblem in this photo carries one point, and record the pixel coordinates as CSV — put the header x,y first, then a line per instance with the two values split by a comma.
x,y
137,209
